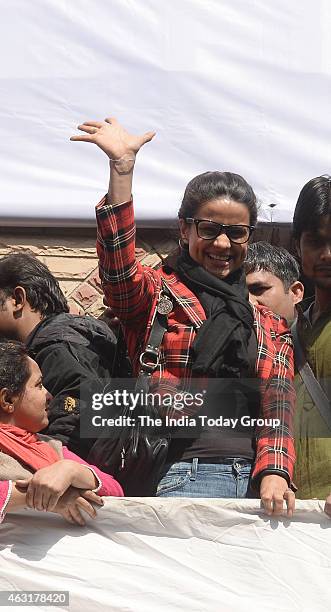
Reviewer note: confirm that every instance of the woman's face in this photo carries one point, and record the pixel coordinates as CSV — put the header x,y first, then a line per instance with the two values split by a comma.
x,y
30,408
218,256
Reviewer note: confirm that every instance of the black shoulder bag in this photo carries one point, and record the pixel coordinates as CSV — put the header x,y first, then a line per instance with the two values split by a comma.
x,y
137,457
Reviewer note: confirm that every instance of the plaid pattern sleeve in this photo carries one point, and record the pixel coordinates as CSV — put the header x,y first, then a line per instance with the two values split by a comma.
x,y
275,368
129,288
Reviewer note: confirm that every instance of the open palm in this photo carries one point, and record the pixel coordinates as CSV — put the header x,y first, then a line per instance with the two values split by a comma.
x,y
112,138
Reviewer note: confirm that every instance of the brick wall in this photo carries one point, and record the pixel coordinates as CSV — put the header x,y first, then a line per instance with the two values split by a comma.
x,y
70,255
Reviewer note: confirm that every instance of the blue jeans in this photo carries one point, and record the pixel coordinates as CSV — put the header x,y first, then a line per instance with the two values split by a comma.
x,y
194,479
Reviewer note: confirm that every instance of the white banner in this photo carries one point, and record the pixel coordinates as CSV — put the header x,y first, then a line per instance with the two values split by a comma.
x,y
243,86
153,555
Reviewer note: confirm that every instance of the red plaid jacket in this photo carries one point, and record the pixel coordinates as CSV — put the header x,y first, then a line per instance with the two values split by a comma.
x,y
132,291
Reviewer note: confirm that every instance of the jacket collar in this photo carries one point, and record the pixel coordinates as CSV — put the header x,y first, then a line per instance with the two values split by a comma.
x,y
185,298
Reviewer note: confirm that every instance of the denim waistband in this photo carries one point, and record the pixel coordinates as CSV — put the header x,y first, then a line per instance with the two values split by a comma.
x,y
210,460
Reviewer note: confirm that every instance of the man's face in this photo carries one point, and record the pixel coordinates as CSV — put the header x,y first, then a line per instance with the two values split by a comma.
x,y
8,321
268,290
314,249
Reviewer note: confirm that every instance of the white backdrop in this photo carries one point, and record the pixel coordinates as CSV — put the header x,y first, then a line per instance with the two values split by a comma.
x,y
173,555
241,85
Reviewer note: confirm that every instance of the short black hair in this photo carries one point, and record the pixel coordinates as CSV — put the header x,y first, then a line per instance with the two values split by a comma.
x,y
14,366
314,202
42,289
274,259
212,185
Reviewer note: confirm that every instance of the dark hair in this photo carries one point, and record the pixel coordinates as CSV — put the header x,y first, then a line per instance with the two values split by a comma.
x,y
274,259
314,202
212,185
14,366
42,289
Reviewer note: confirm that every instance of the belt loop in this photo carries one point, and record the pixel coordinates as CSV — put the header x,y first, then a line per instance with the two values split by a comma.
x,y
194,468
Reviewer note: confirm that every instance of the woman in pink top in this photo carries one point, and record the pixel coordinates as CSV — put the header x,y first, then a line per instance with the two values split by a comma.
x,y
36,471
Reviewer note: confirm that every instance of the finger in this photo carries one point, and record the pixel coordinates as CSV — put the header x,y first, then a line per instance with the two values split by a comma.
x,y
112,120
327,507
88,129
267,505
52,501
86,506
277,505
40,498
76,515
147,137
92,497
83,138
67,516
23,484
289,497
96,124
29,496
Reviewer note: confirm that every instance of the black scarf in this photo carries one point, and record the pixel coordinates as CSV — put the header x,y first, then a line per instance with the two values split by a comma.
x,y
221,345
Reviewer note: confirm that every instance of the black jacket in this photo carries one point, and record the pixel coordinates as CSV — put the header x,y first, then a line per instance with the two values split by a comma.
x,y
71,350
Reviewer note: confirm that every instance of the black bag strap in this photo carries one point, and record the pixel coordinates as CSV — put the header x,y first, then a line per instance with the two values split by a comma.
x,y
313,387
150,357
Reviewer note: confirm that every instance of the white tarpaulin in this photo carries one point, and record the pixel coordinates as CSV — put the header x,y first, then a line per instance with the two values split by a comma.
x,y
153,555
242,86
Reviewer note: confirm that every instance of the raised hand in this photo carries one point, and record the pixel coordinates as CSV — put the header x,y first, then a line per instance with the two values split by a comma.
x,y
112,138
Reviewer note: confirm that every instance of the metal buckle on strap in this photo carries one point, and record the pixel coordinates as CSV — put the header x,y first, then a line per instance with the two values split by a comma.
x,y
149,359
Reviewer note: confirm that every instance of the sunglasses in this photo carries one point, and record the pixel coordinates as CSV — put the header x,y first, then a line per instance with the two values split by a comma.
x,y
209,230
